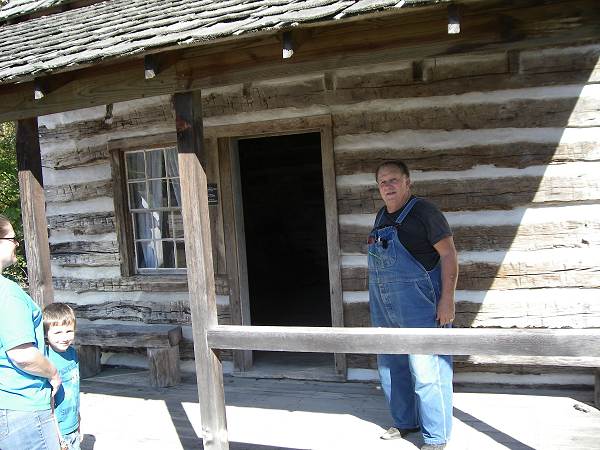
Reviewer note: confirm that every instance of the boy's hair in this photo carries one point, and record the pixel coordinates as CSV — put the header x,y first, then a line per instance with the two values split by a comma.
x,y
56,314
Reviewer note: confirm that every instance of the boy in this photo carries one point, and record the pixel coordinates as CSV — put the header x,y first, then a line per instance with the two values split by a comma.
x,y
59,327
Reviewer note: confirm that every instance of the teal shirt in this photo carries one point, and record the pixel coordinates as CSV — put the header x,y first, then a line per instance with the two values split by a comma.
x,y
20,323
66,400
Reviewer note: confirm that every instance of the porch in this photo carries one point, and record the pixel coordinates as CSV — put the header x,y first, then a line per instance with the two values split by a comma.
x,y
120,411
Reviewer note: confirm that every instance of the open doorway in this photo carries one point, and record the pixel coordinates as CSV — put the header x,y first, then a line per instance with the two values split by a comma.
x,y
286,243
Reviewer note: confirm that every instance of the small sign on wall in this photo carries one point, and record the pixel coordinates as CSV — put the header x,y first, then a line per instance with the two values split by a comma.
x,y
213,197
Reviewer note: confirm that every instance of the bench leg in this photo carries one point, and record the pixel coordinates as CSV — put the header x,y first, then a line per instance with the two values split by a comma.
x,y
164,366
89,360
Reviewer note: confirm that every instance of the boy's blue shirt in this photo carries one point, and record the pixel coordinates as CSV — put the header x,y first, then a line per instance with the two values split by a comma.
x,y
66,400
20,323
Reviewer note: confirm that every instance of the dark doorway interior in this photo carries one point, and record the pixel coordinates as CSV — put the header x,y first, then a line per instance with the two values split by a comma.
x,y
284,220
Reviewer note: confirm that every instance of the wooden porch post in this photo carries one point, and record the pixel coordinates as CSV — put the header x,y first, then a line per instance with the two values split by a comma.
x,y
203,306
33,211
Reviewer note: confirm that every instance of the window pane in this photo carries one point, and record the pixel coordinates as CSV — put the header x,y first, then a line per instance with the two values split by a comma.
x,y
157,193
142,225
177,225
146,256
138,198
165,225
155,164
174,193
172,164
167,259
180,254
135,165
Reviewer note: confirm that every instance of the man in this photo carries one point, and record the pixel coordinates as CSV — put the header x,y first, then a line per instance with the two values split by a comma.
x,y
412,278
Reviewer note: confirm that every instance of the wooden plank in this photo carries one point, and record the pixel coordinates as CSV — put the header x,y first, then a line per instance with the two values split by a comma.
x,y
333,241
216,215
89,360
391,115
143,311
87,260
209,372
443,341
239,297
303,124
83,223
123,221
163,364
79,191
578,233
106,335
82,155
148,283
553,312
515,153
473,194
481,276
84,247
33,211
535,361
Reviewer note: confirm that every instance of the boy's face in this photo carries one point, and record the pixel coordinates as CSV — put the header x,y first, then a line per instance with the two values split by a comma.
x,y
60,337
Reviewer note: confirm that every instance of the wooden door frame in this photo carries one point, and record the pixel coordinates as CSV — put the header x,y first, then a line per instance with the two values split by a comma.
x,y
227,136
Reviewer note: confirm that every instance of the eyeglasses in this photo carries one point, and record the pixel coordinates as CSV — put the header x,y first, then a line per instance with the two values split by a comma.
x,y
14,239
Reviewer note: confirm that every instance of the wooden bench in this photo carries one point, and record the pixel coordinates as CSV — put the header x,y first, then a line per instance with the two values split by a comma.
x,y
161,342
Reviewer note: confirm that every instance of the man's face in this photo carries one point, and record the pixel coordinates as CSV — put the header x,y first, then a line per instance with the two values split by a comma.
x,y
394,187
60,337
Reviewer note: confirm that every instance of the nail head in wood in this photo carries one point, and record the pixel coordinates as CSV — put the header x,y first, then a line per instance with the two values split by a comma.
x,y
38,89
150,67
288,45
453,19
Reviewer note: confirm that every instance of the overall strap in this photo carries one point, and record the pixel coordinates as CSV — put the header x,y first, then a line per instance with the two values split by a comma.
x,y
406,210
379,216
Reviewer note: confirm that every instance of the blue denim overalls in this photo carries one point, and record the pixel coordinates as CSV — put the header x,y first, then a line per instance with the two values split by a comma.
x,y
402,294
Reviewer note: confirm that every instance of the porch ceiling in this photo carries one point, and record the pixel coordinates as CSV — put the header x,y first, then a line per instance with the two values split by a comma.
x,y
118,28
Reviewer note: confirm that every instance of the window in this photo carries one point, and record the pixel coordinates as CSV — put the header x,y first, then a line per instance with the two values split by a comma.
x,y
154,204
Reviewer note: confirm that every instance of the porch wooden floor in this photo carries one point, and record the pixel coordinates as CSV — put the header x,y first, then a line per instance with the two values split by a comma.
x,y
119,411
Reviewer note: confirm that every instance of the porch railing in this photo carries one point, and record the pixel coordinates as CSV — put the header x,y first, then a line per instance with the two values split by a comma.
x,y
209,335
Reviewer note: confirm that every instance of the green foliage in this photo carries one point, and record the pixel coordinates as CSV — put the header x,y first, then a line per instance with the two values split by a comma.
x,y
10,204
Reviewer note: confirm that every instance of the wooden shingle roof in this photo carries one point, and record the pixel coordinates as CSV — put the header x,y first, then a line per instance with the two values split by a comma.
x,y
117,28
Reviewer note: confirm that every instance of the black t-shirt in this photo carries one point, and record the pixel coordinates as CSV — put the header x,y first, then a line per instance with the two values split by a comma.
x,y
424,226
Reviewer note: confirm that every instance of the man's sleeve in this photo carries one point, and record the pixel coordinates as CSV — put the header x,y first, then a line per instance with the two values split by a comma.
x,y
436,224
16,323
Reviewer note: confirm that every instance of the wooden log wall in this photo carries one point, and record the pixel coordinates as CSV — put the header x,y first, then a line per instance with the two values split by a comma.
x,y
505,141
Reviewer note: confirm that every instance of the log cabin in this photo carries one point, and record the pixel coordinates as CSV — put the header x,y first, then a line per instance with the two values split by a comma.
x,y
494,106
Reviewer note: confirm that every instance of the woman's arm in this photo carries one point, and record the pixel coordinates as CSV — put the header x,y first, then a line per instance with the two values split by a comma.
x,y
29,359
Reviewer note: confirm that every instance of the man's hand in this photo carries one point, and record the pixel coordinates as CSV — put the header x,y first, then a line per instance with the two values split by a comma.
x,y
445,311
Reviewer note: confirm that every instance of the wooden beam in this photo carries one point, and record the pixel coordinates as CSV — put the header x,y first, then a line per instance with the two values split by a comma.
x,y
203,305
33,211
235,247
333,237
443,341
